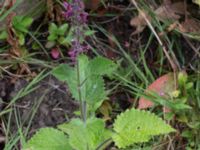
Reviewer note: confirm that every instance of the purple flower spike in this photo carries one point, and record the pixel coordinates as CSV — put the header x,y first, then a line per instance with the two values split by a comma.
x,y
75,14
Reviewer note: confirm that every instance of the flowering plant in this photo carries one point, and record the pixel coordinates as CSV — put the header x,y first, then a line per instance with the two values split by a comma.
x,y
86,84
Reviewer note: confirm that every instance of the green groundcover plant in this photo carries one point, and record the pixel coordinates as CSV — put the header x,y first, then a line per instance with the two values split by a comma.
x,y
20,26
88,132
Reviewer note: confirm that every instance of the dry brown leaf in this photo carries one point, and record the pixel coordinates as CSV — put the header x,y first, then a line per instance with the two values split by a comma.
x,y
167,11
105,110
139,22
170,12
190,25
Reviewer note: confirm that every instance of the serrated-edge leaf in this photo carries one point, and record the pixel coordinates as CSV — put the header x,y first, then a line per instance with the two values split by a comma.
x,y
95,89
91,84
135,126
48,139
102,66
63,72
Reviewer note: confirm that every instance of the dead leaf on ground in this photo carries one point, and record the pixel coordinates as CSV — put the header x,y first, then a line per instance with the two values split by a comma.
x,y
105,110
162,86
190,25
167,11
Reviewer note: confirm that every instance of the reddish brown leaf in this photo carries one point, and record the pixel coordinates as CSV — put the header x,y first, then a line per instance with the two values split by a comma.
x,y
163,86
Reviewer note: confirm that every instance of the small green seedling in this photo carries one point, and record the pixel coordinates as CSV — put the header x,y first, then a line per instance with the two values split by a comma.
x,y
21,25
61,35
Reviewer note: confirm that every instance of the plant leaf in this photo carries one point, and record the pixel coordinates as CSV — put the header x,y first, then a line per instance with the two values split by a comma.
x,y
67,40
62,29
21,23
52,37
91,84
89,32
21,38
163,86
135,126
3,35
84,137
48,139
26,21
53,28
102,66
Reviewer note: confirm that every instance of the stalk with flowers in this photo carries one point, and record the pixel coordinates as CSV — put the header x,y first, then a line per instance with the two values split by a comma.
x,y
75,14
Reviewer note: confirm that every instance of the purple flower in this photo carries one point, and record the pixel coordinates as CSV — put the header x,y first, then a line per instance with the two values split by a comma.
x,y
76,49
68,10
75,14
83,17
75,11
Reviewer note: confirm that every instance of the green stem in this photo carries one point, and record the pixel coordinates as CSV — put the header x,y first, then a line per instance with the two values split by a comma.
x,y
82,103
104,144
